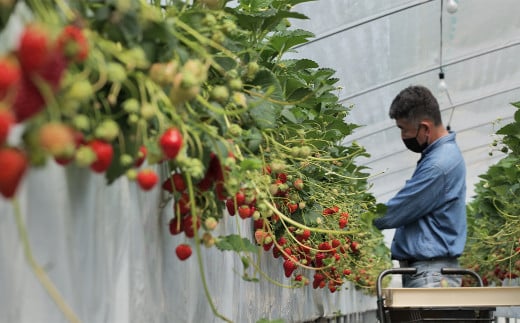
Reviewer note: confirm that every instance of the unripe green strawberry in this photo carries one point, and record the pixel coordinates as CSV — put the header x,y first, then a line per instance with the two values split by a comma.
x,y
148,111
208,240
235,130
116,72
107,130
131,105
132,119
163,73
197,69
126,160
236,84
210,223
278,166
220,93
188,80
85,156
131,174
229,26
209,20
251,69
305,151
136,58
218,37
240,99
81,122
80,90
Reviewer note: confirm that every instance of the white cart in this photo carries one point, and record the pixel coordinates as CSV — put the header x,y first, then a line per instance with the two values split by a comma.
x,y
444,304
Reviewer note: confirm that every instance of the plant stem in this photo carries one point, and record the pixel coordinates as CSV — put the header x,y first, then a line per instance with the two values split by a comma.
x,y
38,271
199,255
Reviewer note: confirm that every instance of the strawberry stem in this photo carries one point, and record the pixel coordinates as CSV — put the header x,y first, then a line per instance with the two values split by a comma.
x,y
199,254
38,271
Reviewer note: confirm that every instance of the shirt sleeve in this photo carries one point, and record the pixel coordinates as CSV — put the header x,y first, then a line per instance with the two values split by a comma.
x,y
420,196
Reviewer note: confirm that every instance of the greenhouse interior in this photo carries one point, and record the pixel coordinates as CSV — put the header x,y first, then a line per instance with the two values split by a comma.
x,y
226,161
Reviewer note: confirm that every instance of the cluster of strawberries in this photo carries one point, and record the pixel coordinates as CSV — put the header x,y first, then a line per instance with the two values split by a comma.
x,y
29,75
185,219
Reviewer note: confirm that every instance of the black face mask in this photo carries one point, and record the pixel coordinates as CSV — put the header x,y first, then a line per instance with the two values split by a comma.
x,y
413,144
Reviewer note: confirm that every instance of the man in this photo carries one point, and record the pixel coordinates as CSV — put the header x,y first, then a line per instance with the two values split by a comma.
x,y
429,212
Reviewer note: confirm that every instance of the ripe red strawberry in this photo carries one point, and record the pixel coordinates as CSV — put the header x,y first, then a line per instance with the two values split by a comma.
x,y
268,243
289,266
141,156
292,207
176,225
342,222
6,122
28,101
147,179
33,48
318,259
182,206
240,198
53,69
330,210
171,142
324,246
13,164
230,205
189,229
306,233
354,246
244,211
9,77
104,154
73,44
176,181
282,177
220,190
183,251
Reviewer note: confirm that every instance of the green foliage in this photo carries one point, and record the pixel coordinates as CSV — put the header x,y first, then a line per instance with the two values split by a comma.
x,y
493,245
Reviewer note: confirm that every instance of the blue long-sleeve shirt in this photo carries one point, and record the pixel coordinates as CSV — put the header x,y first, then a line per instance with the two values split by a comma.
x,y
429,212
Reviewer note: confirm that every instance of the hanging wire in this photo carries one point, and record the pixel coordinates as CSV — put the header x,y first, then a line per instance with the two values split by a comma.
x,y
441,71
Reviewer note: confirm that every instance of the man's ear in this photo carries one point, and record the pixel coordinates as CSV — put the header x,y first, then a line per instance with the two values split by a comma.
x,y
426,125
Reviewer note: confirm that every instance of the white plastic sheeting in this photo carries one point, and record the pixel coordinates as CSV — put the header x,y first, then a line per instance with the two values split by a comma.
x,y
110,255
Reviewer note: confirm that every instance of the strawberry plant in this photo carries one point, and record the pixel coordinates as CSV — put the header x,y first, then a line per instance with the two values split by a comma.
x,y
203,94
493,245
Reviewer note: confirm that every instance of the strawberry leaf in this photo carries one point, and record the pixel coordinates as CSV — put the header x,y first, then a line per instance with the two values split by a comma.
x,y
235,242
